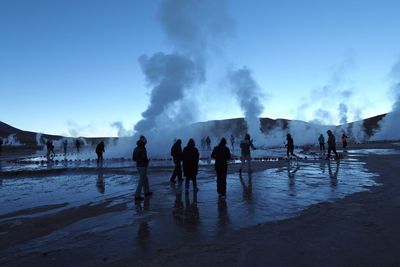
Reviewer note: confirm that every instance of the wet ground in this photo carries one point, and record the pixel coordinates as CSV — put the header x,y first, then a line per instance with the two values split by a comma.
x,y
90,213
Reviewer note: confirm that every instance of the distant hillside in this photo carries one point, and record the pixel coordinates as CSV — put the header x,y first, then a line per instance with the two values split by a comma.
x,y
236,126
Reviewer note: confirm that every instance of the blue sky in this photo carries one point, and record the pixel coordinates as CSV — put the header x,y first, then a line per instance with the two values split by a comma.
x,y
71,67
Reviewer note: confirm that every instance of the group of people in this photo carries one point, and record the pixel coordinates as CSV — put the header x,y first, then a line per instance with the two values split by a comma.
x,y
188,160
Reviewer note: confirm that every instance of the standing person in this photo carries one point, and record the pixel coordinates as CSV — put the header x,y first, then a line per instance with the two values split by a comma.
x,y
140,156
290,146
208,142
203,143
221,154
77,145
245,146
176,153
344,140
321,141
99,152
331,145
65,144
232,142
190,164
50,149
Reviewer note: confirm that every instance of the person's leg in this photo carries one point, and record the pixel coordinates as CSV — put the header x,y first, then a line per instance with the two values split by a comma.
x,y
187,180
194,179
174,173
140,182
329,152
334,151
218,181
146,181
179,171
242,160
249,164
223,182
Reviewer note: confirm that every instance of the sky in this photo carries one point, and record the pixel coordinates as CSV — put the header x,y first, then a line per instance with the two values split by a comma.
x,y
78,67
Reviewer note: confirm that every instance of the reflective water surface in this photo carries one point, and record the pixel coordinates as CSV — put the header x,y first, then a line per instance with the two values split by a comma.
x,y
95,211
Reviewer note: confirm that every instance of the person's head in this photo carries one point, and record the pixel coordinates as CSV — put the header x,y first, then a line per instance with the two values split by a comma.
x,y
222,142
247,137
288,135
143,139
329,132
191,143
102,143
179,141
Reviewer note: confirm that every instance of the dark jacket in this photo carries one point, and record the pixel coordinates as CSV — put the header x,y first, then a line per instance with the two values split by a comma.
x,y
140,155
245,147
100,148
176,151
190,159
221,154
331,140
290,143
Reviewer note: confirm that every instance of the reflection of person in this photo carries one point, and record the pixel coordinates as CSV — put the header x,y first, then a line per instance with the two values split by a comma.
x,y
333,175
290,146
292,176
223,215
190,164
178,210
99,152
245,146
321,141
247,189
192,215
140,156
331,144
101,187
176,153
221,154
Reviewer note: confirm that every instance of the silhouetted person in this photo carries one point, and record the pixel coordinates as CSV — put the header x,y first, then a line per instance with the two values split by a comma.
x,y
221,154
50,149
203,143
331,144
344,140
99,152
77,145
65,144
140,156
176,153
190,164
245,146
289,146
1,144
208,142
321,141
232,142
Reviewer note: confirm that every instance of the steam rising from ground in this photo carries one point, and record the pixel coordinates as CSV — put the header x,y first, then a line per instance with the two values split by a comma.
x,y
249,96
389,127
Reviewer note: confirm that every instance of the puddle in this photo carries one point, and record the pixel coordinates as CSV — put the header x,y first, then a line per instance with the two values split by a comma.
x,y
375,151
170,216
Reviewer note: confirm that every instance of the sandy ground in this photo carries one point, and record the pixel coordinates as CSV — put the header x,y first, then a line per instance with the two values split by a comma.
x,y
361,229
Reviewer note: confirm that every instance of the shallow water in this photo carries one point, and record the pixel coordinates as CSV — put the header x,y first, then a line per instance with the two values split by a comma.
x,y
170,217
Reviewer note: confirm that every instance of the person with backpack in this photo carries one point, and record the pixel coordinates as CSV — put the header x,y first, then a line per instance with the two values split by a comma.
x,y
221,154
139,155
176,153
